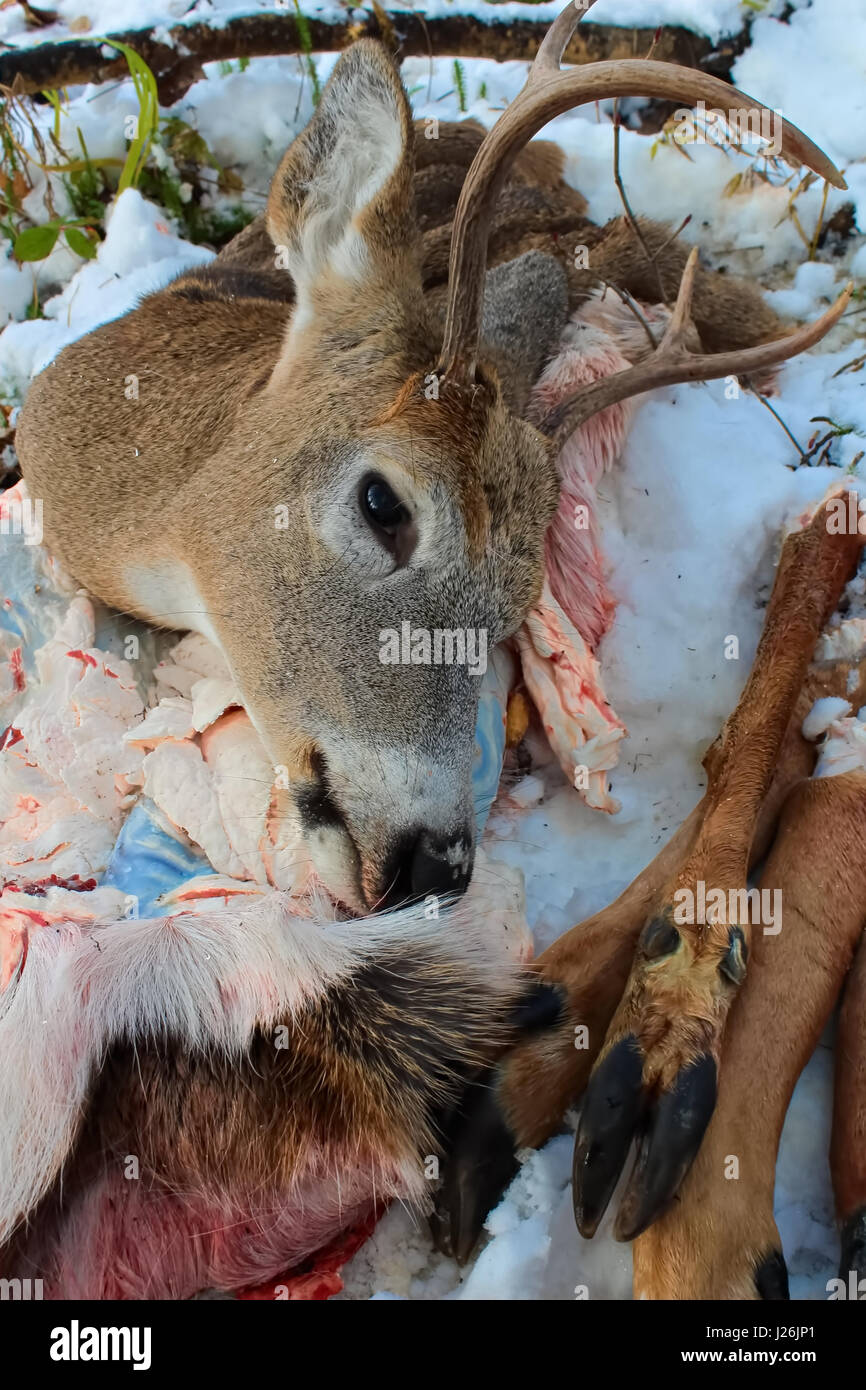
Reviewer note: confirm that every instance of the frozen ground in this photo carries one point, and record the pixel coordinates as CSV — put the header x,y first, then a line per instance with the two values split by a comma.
x,y
691,521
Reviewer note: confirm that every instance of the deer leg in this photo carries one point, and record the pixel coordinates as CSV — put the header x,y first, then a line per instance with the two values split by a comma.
x,y
656,1078
848,1147
719,1239
591,963
521,1101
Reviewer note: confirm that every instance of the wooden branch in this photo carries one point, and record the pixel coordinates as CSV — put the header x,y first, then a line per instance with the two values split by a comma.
x,y
178,64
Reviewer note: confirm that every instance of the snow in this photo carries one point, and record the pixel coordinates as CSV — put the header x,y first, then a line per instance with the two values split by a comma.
x,y
827,36
822,715
528,792
813,289
691,517
140,254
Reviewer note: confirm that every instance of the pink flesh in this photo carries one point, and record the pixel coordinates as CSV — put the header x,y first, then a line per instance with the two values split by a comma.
x,y
575,564
127,1239
563,679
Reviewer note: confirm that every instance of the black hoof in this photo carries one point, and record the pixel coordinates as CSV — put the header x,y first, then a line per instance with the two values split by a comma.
x,y
853,1256
671,1138
481,1162
608,1119
771,1278
481,1151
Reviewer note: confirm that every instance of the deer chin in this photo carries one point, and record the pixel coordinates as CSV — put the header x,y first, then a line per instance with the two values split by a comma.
x,y
337,862
349,876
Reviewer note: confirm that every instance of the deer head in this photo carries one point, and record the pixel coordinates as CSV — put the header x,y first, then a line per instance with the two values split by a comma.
x,y
415,498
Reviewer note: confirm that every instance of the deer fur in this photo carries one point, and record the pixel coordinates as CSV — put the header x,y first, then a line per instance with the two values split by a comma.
x,y
273,1078
261,387
848,1145
298,364
720,1240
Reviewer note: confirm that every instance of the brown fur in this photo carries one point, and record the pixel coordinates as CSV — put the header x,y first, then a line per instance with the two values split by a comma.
x,y
250,400
848,1146
592,962
719,1239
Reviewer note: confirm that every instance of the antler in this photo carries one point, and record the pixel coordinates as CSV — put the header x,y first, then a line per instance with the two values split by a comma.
x,y
547,93
672,361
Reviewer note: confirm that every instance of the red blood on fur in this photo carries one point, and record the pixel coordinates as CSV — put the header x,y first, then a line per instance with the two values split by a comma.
x,y
318,1278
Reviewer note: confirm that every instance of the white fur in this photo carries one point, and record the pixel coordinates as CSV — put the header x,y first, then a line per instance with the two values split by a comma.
x,y
367,150
167,595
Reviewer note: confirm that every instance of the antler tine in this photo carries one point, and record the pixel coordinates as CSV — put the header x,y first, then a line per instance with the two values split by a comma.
x,y
557,38
674,336
673,362
549,92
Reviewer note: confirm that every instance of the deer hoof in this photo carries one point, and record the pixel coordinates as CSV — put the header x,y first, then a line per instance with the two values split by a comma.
x,y
771,1278
610,1115
481,1162
671,1137
481,1150
853,1256
655,1082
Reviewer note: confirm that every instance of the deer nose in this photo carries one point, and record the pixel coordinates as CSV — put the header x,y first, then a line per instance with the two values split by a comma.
x,y
424,867
440,870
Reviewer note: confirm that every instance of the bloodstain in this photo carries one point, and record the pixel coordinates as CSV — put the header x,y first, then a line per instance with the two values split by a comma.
x,y
17,669
318,1277
17,912
197,893
38,888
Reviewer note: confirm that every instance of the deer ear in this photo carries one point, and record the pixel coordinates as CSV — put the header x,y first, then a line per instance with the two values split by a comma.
x,y
341,199
525,311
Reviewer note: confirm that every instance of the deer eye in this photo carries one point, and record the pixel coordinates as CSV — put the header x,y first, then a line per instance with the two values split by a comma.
x,y
382,507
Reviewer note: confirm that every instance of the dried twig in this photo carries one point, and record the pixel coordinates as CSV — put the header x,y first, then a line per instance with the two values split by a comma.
x,y
801,453
855,365
631,303
629,215
819,225
673,236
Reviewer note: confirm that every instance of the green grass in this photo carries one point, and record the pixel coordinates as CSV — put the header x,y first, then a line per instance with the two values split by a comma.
x,y
460,84
90,184
306,42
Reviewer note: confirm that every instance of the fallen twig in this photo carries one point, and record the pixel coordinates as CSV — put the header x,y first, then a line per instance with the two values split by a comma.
x,y
176,59
629,215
